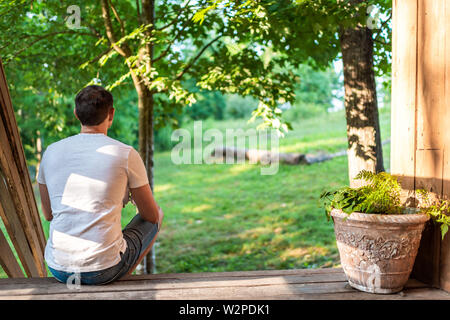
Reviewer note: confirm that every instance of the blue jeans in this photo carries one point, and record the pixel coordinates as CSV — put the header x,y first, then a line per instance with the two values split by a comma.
x,y
138,234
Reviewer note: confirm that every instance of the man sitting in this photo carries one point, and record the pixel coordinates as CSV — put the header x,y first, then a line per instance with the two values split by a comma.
x,y
84,181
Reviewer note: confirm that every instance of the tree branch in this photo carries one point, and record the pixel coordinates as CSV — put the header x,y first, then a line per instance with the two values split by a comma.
x,y
180,74
39,38
380,42
96,32
169,46
382,26
124,50
122,26
99,56
175,19
191,63
138,11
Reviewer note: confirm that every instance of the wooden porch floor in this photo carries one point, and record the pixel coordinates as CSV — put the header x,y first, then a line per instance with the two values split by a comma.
x,y
249,285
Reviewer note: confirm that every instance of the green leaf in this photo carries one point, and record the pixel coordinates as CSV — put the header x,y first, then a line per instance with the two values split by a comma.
x,y
444,229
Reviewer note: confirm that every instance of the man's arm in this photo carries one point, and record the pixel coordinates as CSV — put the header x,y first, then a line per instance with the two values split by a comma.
x,y
146,204
45,202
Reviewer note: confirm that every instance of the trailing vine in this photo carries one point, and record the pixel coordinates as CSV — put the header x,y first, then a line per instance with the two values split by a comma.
x,y
438,209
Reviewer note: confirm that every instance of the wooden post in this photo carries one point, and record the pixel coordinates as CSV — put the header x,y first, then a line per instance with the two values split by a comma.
x,y
18,208
420,136
403,128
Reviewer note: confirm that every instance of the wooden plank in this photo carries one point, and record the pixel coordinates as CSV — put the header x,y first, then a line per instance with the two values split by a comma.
x,y
444,271
444,245
18,199
403,117
232,274
53,287
331,290
327,284
426,267
425,51
19,157
15,230
417,82
8,260
428,294
206,276
221,293
18,184
11,217
14,196
445,169
272,284
430,75
429,166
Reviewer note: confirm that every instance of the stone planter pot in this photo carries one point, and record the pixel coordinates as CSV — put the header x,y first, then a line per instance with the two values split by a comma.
x,y
378,251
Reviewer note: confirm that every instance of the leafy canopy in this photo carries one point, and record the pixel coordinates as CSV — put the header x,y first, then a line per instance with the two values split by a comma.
x,y
239,47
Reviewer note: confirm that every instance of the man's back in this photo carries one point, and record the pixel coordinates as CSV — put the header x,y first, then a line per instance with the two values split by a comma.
x,y
87,177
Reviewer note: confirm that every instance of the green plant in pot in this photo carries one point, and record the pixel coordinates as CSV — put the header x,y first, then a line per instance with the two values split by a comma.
x,y
377,237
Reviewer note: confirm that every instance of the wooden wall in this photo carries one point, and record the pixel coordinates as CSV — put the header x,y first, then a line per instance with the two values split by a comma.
x,y
18,208
420,131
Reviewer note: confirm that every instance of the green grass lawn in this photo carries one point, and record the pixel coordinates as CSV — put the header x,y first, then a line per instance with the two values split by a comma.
x,y
230,217
222,217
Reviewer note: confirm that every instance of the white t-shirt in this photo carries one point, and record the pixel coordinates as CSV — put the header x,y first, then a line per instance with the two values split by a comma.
x,y
87,176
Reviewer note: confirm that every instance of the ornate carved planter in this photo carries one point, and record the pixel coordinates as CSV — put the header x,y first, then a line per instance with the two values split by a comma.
x,y
378,251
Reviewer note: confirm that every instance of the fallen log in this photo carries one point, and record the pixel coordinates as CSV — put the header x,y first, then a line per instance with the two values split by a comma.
x,y
262,156
266,157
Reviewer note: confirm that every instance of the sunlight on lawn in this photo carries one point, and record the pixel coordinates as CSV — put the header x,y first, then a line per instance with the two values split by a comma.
x,y
325,144
196,209
163,187
239,168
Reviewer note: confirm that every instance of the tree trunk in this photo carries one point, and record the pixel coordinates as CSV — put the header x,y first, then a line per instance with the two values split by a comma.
x,y
146,108
363,127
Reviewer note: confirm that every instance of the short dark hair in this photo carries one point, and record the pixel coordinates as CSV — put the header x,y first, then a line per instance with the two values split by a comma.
x,y
92,105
